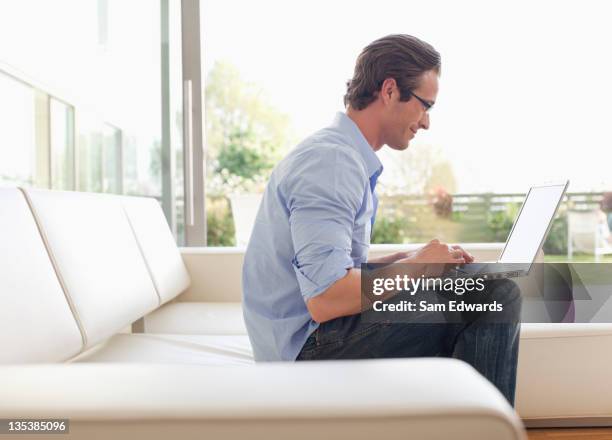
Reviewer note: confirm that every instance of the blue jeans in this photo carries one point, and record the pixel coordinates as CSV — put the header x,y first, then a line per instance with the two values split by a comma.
x,y
487,344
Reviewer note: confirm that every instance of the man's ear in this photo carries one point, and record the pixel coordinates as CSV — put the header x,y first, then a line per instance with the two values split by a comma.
x,y
387,89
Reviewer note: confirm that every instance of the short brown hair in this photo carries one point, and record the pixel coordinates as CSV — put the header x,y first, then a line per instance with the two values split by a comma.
x,y
401,57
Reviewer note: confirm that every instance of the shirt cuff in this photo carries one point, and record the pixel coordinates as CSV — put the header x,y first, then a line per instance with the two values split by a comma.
x,y
315,277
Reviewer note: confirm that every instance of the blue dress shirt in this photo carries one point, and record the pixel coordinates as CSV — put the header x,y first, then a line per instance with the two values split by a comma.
x,y
314,224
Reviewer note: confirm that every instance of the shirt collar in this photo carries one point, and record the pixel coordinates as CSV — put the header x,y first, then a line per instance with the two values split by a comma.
x,y
346,125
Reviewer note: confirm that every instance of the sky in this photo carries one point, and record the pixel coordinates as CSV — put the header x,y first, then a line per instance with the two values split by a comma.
x,y
524,93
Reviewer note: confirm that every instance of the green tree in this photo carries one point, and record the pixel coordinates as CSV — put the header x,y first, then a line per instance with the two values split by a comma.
x,y
240,156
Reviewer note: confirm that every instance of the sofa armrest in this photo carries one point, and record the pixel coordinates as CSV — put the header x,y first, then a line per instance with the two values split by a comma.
x,y
408,393
216,274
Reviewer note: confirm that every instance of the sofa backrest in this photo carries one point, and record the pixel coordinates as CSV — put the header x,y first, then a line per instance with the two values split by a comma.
x,y
158,247
114,257
97,259
36,322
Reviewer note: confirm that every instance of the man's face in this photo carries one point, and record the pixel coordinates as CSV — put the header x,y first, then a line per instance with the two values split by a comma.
x,y
403,119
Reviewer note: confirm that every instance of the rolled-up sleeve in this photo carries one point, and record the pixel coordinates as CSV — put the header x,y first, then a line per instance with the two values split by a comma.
x,y
324,196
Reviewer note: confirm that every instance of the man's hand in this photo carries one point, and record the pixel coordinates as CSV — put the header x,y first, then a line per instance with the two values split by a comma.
x,y
433,258
469,258
437,252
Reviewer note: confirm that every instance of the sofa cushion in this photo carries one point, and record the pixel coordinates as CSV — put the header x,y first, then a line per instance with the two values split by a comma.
x,y
554,381
96,257
204,318
179,349
564,371
157,245
391,399
36,324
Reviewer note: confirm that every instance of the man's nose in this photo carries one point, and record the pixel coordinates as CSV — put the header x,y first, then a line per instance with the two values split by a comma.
x,y
424,122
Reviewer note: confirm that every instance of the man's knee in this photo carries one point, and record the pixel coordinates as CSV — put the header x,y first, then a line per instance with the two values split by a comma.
x,y
508,294
505,290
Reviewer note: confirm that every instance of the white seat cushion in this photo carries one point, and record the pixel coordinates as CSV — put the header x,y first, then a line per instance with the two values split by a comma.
x,y
564,371
181,349
554,381
391,399
36,324
193,318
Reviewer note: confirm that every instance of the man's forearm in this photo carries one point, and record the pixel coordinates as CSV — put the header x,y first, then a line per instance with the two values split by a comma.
x,y
344,297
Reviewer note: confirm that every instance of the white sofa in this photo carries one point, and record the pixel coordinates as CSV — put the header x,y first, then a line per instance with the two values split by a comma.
x,y
76,270
563,378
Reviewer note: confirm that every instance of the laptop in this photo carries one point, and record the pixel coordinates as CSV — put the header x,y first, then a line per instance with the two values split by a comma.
x,y
526,237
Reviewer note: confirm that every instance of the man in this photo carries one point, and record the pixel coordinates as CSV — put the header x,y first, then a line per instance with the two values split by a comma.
x,y
301,275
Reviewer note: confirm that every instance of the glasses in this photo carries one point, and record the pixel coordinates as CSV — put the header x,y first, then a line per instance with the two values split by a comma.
x,y
426,104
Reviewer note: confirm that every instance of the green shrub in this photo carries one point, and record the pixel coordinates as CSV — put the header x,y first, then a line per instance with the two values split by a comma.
x,y
219,223
388,230
499,224
220,228
556,242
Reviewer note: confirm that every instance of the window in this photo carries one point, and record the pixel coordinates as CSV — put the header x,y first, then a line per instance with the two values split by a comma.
x,y
62,145
515,107
17,133
91,97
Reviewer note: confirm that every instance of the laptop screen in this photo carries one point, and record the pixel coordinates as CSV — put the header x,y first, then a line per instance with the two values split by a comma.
x,y
530,227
